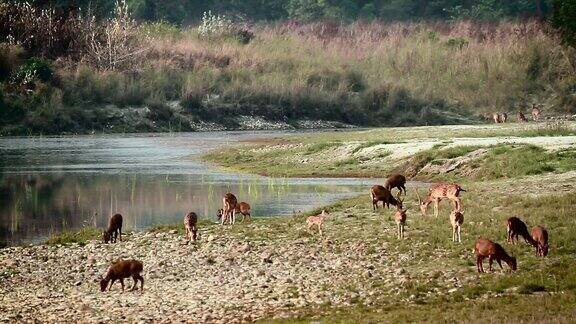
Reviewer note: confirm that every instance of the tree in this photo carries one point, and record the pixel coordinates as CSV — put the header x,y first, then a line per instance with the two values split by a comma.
x,y
564,18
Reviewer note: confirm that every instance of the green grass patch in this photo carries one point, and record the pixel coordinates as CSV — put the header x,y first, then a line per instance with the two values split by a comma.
x,y
319,147
81,236
368,144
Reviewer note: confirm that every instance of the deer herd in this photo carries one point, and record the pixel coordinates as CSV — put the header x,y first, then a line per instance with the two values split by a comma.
x,y
483,248
502,117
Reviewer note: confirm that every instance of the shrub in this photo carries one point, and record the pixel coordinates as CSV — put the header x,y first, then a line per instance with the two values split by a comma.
x,y
32,69
9,59
216,26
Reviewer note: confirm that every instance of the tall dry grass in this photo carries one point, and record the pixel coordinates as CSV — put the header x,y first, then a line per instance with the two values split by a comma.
x,y
363,73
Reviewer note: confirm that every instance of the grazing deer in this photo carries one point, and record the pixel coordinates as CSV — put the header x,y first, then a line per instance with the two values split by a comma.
x,y
456,219
493,251
503,117
317,221
244,209
114,230
520,117
536,111
229,210
516,227
396,181
379,193
119,271
439,191
400,218
540,236
191,226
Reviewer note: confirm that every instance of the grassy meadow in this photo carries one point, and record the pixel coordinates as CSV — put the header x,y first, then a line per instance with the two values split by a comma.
x,y
532,181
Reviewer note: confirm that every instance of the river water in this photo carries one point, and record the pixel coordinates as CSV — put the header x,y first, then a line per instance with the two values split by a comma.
x,y
48,184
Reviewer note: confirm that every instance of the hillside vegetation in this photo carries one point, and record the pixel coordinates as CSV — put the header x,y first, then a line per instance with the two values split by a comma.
x,y
118,75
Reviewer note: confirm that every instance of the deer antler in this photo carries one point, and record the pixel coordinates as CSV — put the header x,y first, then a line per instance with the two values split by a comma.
x,y
419,198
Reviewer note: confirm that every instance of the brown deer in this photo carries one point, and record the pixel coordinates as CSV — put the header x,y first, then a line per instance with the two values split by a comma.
x,y
536,111
114,230
439,191
503,117
516,227
120,270
400,218
496,118
244,209
229,211
317,221
379,193
520,117
456,219
540,236
191,226
493,251
396,181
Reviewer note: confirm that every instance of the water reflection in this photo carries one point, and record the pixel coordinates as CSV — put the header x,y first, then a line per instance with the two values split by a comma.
x,y
50,184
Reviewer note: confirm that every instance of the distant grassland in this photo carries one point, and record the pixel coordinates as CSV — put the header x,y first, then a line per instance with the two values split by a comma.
x,y
374,153
371,74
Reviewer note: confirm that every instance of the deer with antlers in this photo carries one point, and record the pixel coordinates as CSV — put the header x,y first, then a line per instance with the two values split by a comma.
x,y
439,191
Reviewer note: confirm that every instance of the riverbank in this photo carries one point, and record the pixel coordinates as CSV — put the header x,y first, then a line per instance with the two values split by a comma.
x,y
434,152
275,269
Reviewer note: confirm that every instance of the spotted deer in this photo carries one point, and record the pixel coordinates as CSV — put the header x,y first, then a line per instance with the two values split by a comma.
x,y
456,219
439,191
229,211
317,221
521,117
400,218
536,111
191,226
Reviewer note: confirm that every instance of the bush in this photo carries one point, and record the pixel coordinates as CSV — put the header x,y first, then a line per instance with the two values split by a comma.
x,y
10,56
216,26
33,69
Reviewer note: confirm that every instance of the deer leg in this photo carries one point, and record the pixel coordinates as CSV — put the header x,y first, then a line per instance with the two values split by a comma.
x,y
479,264
111,283
459,236
499,263
135,278
120,233
436,207
122,283
233,217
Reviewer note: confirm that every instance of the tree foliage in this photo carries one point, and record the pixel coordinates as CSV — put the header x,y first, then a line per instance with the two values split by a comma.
x,y
564,19
190,11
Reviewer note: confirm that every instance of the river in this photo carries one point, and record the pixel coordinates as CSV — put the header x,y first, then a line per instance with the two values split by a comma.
x,y
49,184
